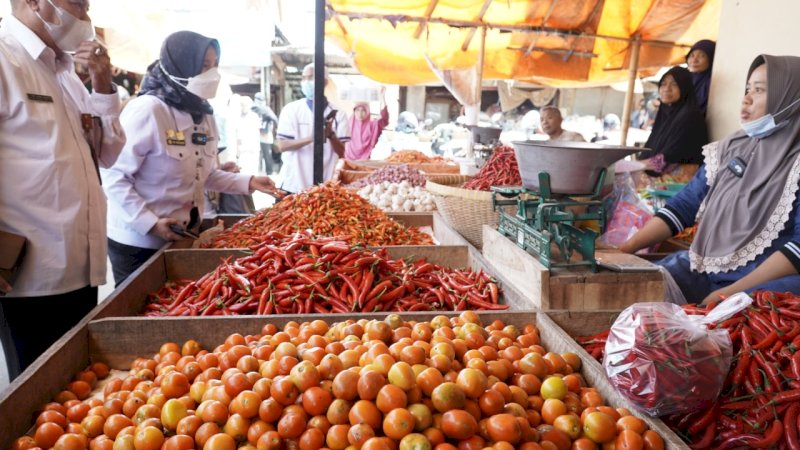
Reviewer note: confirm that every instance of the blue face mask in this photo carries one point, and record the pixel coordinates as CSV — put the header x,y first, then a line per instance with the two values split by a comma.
x,y
307,86
765,125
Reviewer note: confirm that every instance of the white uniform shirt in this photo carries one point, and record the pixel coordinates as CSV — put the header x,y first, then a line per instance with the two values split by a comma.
x,y
49,190
297,122
154,179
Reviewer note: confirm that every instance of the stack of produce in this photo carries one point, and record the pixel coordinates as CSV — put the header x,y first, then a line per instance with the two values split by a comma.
x,y
500,170
326,210
398,197
392,174
687,235
415,157
379,384
760,401
300,274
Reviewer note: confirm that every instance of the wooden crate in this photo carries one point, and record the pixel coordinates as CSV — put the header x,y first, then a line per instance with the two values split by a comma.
x,y
176,264
570,289
119,341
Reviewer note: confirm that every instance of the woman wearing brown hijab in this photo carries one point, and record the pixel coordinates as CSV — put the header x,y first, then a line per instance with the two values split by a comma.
x,y
746,198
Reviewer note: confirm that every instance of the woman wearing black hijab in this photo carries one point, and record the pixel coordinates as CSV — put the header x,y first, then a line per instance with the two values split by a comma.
x,y
745,199
699,61
155,189
679,131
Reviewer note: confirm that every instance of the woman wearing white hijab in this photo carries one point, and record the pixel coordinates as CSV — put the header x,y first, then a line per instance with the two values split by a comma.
x,y
745,198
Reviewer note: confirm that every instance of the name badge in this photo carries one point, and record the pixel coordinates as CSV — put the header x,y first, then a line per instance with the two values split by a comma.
x,y
40,98
176,138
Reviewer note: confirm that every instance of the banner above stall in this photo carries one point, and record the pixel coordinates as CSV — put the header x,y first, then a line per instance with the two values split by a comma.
x,y
565,43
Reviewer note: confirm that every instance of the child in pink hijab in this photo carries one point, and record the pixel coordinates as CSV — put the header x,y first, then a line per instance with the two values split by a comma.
x,y
364,132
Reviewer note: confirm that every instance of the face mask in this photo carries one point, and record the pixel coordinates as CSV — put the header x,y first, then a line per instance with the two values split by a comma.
x,y
70,31
307,86
765,125
204,85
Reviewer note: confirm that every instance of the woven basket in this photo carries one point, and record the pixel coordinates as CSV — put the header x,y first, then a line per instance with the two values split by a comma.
x,y
465,210
447,178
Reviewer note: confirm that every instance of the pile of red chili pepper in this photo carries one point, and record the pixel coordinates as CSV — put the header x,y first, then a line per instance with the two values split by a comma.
x,y
300,274
326,210
760,402
500,170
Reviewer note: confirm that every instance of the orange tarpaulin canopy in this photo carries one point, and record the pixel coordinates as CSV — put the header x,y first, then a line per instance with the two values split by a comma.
x,y
567,43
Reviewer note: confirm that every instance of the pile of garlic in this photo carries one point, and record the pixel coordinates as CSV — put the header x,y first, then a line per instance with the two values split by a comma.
x,y
398,197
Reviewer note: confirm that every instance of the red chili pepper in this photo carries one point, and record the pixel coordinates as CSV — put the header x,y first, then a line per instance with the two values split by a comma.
x,y
707,438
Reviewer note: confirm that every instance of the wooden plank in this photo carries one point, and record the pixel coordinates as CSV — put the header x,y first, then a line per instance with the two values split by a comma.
x,y
573,289
518,267
41,381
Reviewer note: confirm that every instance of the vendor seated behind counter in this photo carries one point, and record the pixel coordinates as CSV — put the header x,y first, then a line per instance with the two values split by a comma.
x,y
679,131
746,197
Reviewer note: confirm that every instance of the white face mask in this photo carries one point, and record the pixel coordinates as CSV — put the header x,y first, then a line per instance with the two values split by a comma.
x,y
203,85
765,125
70,31
307,86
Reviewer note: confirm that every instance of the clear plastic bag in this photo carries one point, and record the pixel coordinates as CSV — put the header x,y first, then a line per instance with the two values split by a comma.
x,y
628,212
665,361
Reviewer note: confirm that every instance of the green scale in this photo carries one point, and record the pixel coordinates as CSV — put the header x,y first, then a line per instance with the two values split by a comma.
x,y
543,220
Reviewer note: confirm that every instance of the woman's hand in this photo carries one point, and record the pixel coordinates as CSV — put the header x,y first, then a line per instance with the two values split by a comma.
x,y
266,185
715,296
162,230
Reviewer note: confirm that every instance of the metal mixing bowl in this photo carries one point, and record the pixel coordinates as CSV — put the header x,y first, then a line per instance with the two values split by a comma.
x,y
574,167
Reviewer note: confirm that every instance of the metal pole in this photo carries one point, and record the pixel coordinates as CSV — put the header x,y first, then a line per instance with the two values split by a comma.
x,y
636,44
319,90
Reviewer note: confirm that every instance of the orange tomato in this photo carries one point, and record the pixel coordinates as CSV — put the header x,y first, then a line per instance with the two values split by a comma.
x,y
459,424
398,423
599,427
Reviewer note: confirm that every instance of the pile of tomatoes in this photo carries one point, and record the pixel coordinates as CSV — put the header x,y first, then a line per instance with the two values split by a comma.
x,y
447,384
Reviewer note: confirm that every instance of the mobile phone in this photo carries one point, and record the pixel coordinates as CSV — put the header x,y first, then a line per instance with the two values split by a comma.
x,y
179,230
331,115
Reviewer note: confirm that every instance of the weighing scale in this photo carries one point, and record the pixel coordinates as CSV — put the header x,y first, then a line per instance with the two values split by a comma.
x,y
562,187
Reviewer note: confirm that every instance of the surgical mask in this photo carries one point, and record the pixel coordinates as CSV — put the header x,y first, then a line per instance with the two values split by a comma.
x,y
765,125
307,86
203,85
70,31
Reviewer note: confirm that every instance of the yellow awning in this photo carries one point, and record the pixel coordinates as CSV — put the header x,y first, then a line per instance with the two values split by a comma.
x,y
567,43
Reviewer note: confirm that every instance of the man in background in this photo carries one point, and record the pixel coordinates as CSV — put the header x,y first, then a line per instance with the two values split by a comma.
x,y
268,122
551,125
296,137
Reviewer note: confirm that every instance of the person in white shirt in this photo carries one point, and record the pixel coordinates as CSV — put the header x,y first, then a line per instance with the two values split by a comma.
x,y
296,138
49,188
551,126
155,189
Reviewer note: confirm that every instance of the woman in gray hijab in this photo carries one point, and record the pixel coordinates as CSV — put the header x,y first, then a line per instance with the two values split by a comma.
x,y
746,197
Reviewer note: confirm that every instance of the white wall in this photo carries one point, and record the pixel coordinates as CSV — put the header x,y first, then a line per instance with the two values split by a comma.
x,y
747,29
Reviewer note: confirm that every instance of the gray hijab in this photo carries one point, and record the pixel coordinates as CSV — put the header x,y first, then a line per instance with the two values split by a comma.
x,y
741,217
